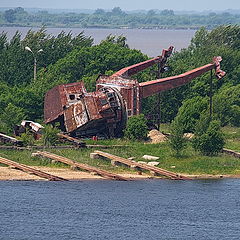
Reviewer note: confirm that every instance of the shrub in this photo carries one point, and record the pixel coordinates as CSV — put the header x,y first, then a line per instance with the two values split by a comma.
x,y
50,136
202,124
27,139
235,116
227,105
211,141
136,128
176,139
11,116
189,113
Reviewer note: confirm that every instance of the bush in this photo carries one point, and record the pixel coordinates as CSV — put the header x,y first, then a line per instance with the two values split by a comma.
x,y
210,141
235,116
50,136
27,139
189,113
176,139
202,124
11,116
136,128
227,105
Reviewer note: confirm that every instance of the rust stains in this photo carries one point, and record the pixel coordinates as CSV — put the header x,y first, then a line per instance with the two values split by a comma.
x,y
116,98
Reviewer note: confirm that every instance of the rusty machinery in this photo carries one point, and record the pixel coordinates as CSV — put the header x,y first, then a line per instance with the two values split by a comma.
x,y
116,98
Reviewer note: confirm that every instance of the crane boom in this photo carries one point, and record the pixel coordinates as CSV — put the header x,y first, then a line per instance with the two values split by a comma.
x,y
131,70
155,86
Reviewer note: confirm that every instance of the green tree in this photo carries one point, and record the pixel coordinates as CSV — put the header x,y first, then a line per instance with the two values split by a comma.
x,y
119,40
235,115
176,140
117,11
99,11
189,113
9,15
136,128
167,12
151,12
27,139
11,116
209,140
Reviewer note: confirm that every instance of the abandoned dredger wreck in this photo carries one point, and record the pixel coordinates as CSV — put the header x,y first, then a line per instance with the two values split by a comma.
x,y
117,97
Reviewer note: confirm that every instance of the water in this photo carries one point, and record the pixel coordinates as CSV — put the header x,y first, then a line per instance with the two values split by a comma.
x,y
146,209
150,42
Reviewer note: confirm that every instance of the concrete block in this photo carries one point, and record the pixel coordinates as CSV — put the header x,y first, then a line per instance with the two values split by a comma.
x,y
94,156
149,157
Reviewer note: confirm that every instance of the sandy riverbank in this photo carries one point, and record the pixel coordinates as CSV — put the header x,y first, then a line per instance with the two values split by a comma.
x,y
7,173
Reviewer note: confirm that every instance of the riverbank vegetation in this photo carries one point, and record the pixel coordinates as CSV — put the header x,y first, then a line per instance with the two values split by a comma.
x,y
190,162
117,18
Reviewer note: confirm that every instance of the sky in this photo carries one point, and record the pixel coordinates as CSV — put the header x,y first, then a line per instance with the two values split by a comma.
x,y
186,5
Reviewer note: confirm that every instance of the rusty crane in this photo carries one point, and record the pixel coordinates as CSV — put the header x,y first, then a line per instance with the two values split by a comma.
x,y
116,98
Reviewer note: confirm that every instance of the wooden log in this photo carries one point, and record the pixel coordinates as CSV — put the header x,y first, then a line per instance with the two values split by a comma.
x,y
30,170
130,163
85,167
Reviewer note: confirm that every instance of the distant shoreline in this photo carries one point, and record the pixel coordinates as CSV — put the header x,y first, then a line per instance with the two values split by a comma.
x,y
100,27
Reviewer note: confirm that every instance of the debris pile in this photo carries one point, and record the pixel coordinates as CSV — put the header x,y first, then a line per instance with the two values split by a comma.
x,y
156,137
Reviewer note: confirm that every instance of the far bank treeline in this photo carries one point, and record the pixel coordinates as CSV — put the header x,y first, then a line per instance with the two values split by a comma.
x,y
66,58
117,18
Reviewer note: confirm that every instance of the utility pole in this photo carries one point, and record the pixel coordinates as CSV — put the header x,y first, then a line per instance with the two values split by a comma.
x,y
211,95
159,98
35,61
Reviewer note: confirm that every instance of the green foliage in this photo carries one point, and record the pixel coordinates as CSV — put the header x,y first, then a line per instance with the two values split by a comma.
x,y
167,12
235,115
27,139
202,124
203,47
17,67
190,112
17,64
87,62
9,15
11,116
50,135
176,140
227,104
136,128
208,139
119,40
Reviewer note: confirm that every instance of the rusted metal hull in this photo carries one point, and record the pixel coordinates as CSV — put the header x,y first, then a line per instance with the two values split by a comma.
x,y
116,98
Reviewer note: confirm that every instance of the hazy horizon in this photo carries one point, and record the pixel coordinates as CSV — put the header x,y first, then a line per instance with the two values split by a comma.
x,y
183,5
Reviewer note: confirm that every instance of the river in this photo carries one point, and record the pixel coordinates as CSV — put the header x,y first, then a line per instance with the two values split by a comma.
x,y
144,209
149,41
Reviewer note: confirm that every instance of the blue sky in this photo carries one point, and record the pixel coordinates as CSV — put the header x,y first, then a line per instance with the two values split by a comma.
x,y
197,5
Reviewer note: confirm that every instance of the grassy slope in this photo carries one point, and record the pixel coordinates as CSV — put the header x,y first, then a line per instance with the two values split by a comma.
x,y
190,163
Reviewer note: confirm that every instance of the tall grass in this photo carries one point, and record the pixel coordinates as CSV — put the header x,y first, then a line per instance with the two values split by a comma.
x,y
190,162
